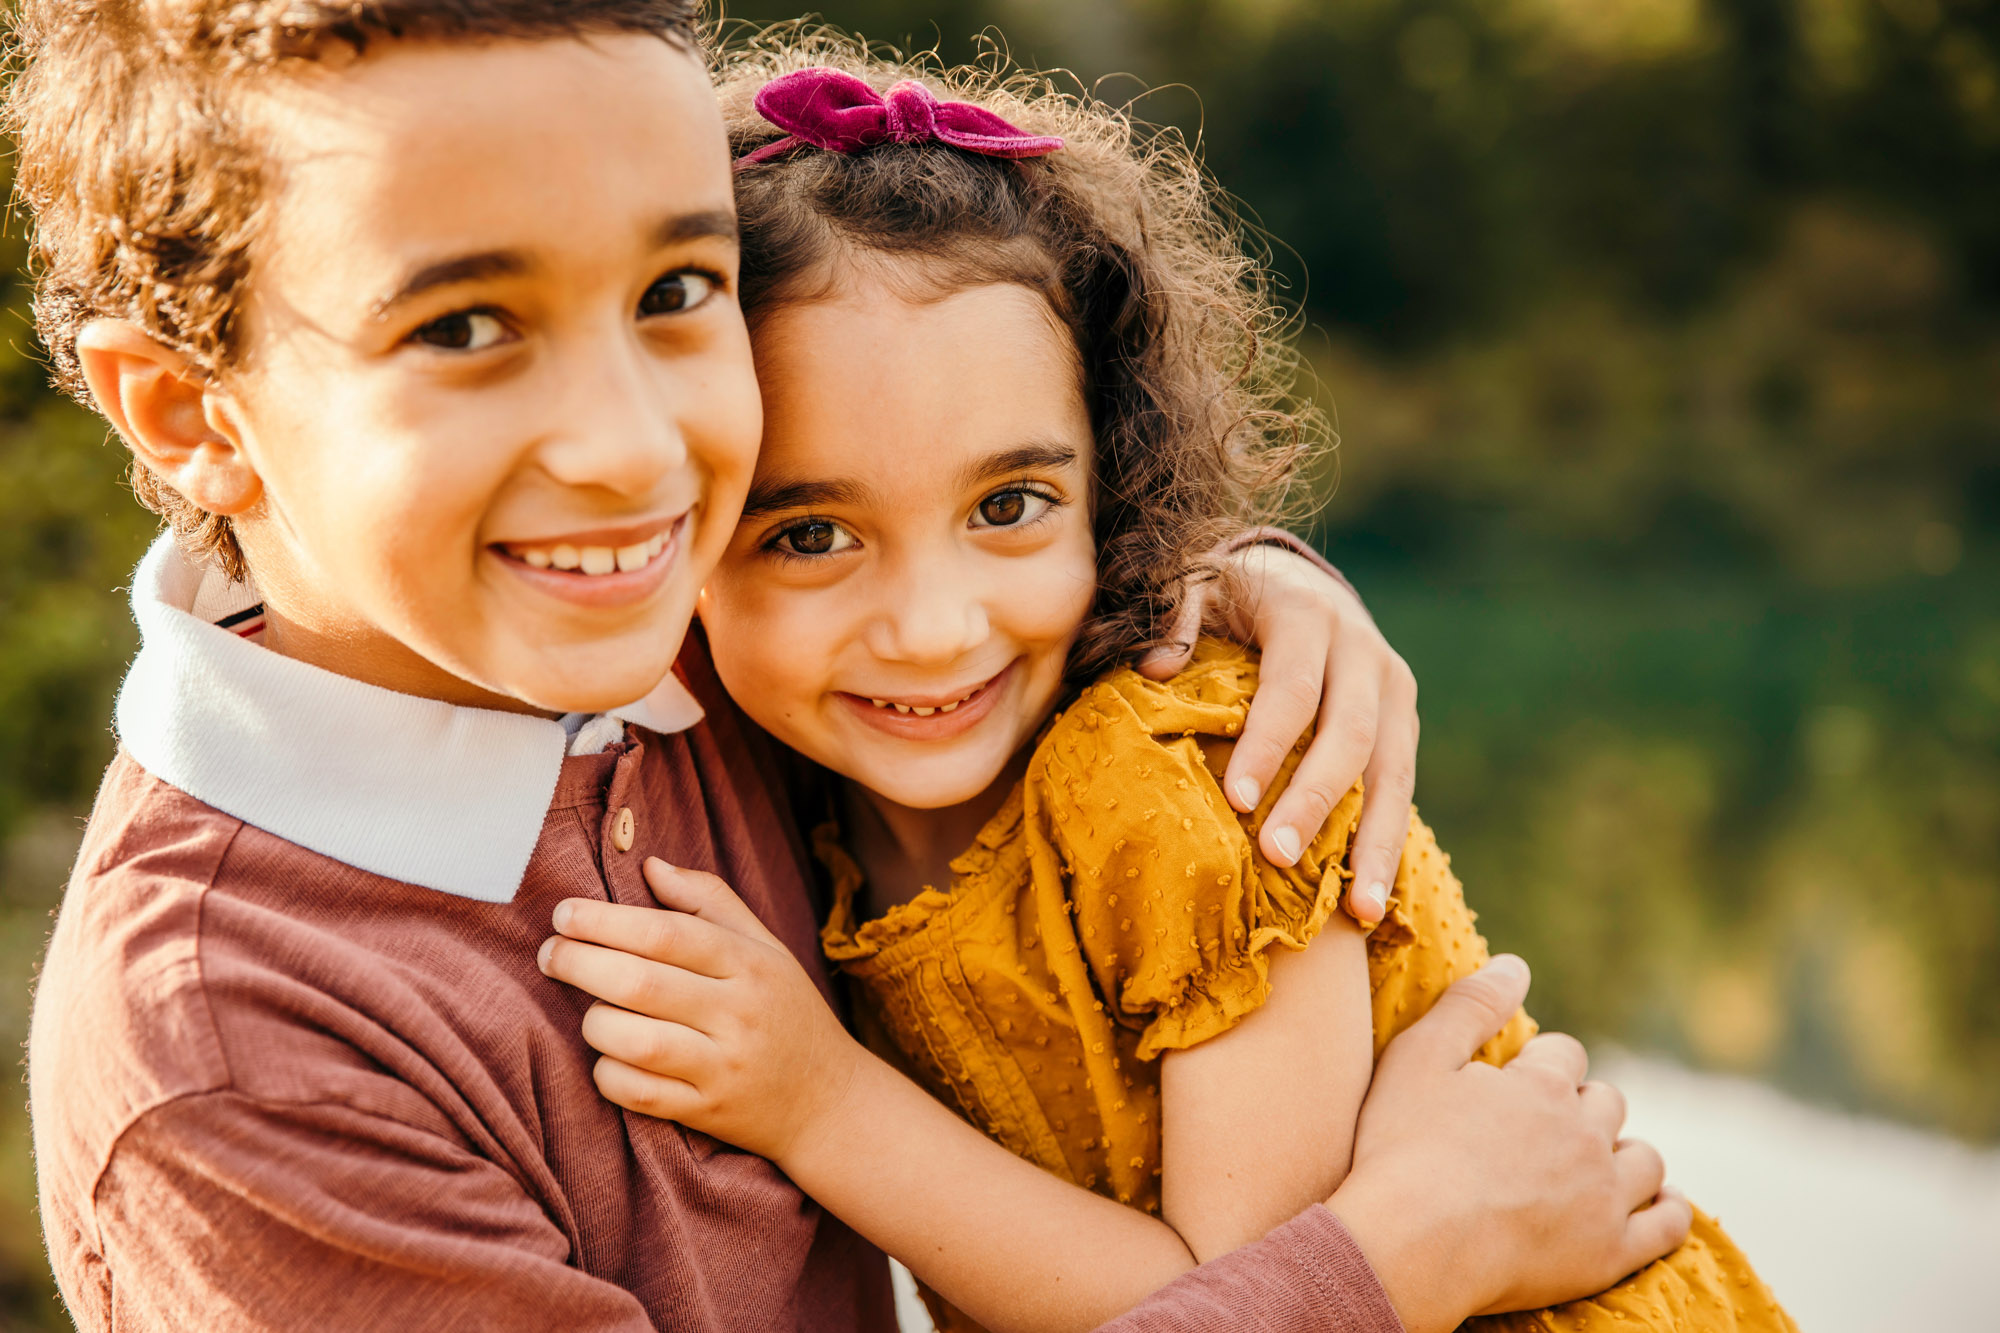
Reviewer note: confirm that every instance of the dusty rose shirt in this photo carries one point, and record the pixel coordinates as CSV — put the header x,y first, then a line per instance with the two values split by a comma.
x,y
273,1091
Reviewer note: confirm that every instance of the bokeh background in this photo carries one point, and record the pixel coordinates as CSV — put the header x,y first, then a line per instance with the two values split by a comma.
x,y
1663,338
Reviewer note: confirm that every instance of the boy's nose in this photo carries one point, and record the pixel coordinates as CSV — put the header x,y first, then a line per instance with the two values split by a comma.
x,y
617,429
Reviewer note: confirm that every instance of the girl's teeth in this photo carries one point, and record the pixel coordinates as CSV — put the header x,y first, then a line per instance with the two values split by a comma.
x,y
535,558
633,557
565,557
919,709
598,559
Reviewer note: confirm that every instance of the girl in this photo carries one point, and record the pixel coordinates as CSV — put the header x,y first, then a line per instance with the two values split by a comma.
x,y
1017,368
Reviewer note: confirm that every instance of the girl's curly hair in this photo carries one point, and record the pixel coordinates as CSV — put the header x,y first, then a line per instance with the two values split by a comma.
x,y
1186,364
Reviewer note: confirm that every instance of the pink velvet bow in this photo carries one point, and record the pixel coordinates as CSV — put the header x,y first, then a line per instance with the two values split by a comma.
x,y
831,109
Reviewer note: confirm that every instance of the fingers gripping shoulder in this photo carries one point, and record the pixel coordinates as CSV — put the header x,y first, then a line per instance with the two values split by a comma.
x,y
1173,906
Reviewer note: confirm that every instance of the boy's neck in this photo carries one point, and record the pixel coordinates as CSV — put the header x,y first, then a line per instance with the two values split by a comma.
x,y
902,851
377,659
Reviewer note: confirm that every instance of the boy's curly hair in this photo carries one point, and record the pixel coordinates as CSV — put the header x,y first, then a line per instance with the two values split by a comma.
x,y
143,181
1187,368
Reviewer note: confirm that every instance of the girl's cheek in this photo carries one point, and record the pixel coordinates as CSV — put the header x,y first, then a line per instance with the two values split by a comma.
x,y
1063,586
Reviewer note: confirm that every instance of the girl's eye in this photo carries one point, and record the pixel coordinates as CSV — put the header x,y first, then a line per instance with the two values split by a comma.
x,y
1010,509
814,536
676,292
463,331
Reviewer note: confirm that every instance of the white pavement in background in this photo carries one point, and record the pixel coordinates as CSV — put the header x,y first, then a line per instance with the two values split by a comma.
x,y
910,1311
1860,1226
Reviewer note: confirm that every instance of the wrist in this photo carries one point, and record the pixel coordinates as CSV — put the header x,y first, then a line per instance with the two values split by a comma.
x,y
831,1110
1429,1264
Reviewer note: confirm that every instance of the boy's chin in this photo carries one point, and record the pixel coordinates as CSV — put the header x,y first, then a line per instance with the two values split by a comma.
x,y
586,685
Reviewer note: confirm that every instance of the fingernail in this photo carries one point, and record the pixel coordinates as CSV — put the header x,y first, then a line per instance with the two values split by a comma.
x,y
1372,900
561,915
542,955
1509,965
1287,842
1246,793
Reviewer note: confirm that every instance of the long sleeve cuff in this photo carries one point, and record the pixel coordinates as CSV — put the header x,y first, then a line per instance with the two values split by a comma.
x,y
1294,543
1306,1276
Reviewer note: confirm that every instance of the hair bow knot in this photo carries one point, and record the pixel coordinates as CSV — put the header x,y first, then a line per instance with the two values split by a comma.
x,y
833,110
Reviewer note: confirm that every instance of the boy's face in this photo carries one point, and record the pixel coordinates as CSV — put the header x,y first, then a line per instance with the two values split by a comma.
x,y
494,380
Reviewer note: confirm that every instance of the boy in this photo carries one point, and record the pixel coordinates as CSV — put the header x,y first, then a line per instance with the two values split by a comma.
x,y
387,298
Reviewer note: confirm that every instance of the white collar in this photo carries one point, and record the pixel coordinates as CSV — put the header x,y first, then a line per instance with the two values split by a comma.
x,y
412,789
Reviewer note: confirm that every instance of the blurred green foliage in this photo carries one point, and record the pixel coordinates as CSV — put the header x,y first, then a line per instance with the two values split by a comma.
x,y
1664,341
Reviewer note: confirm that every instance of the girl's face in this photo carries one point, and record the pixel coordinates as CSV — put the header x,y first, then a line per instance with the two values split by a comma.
x,y
915,556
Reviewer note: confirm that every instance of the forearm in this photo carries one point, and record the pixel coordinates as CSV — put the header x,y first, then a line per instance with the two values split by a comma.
x,y
1013,1246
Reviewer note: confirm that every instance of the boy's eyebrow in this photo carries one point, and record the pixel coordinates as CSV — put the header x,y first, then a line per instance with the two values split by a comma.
x,y
775,494
1028,457
719,224
447,272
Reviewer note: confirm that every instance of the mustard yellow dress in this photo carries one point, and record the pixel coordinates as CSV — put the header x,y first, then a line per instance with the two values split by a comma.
x,y
1116,908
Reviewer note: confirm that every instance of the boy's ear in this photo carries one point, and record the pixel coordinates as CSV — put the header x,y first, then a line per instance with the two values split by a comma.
x,y
167,413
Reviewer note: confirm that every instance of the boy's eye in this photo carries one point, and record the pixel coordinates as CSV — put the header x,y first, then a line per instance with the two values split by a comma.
x,y
676,292
1007,509
463,331
814,536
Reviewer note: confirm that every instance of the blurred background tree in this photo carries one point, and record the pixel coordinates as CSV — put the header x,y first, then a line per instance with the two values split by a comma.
x,y
1664,341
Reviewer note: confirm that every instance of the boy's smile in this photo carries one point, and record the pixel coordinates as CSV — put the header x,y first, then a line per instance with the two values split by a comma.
x,y
495,387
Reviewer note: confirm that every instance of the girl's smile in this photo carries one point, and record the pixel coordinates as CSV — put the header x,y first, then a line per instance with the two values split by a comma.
x,y
930,717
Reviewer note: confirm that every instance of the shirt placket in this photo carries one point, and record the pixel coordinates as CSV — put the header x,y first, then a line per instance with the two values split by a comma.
x,y
624,835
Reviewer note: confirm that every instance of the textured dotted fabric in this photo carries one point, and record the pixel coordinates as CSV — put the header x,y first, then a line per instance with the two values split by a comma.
x,y
1116,908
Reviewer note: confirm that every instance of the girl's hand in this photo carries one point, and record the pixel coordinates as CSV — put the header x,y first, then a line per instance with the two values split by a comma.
x,y
1323,658
703,1016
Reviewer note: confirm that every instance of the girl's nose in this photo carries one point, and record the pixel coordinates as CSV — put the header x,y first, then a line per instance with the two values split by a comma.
x,y
931,618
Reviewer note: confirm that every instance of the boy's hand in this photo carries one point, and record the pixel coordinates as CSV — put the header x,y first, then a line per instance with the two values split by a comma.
x,y
1477,1190
1325,659
703,1016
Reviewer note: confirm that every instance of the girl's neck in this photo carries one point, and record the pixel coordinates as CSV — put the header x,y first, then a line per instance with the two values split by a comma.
x,y
902,851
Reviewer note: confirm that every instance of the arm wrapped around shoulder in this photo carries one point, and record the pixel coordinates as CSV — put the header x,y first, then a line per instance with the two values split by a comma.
x,y
1176,909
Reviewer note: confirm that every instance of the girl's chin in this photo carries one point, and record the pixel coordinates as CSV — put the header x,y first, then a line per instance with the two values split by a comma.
x,y
926,796
938,785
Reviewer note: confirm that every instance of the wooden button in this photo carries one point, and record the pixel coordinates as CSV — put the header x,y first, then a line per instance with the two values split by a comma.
x,y
622,829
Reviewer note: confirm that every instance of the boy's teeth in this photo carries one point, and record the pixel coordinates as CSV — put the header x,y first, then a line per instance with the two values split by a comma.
x,y
925,712
594,559
948,707
903,708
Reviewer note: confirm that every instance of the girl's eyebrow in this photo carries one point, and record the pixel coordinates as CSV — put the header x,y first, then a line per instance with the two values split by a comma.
x,y
776,493
1029,457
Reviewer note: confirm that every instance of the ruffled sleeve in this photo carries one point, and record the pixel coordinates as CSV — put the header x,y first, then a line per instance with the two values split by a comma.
x,y
1174,908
